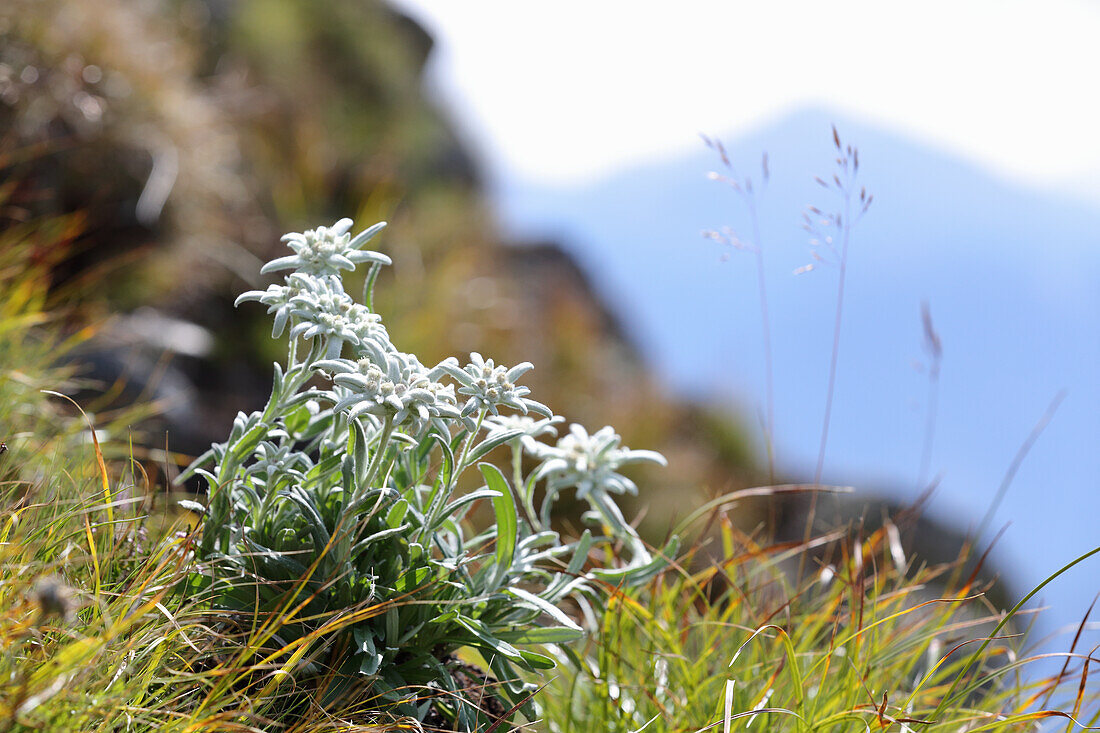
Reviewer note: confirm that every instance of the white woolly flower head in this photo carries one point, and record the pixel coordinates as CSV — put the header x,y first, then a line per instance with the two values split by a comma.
x,y
490,386
325,251
398,387
320,307
277,299
528,428
590,463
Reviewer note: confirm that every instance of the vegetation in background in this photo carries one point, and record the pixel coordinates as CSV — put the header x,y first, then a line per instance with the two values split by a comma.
x,y
80,634
870,640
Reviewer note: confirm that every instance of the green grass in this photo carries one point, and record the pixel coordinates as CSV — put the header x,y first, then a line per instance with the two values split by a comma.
x,y
870,641
89,624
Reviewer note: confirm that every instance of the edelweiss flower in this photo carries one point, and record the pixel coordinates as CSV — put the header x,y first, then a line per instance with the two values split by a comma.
x,y
325,251
530,427
490,387
277,299
403,390
590,463
322,308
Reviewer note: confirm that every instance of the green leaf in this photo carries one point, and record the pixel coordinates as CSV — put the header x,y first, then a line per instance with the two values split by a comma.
x,y
413,579
542,635
248,442
244,494
325,466
393,617
580,553
348,480
195,464
446,470
470,498
542,605
507,520
536,660
512,684
495,440
636,575
397,513
305,396
363,544
273,565
357,440
277,386
368,284
316,425
488,641
296,420
371,658
410,632
316,525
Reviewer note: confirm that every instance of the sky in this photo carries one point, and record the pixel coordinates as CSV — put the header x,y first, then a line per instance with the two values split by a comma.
x,y
570,91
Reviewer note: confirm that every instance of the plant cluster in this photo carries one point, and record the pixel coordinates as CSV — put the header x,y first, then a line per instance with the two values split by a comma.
x,y
337,513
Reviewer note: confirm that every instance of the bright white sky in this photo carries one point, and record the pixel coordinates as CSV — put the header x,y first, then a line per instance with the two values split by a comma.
x,y
563,92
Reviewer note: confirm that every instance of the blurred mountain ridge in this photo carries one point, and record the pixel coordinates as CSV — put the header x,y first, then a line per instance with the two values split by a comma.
x,y
1009,272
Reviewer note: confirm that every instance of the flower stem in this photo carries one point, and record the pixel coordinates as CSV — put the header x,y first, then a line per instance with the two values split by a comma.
x,y
523,500
380,451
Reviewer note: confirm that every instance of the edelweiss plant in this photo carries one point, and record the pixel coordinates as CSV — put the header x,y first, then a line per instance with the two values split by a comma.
x,y
334,516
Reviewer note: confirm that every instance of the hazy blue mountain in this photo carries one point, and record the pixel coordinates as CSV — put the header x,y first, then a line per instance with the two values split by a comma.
x,y
1011,275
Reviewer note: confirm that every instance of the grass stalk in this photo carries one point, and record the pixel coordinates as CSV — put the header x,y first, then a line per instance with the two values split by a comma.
x,y
934,348
743,188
